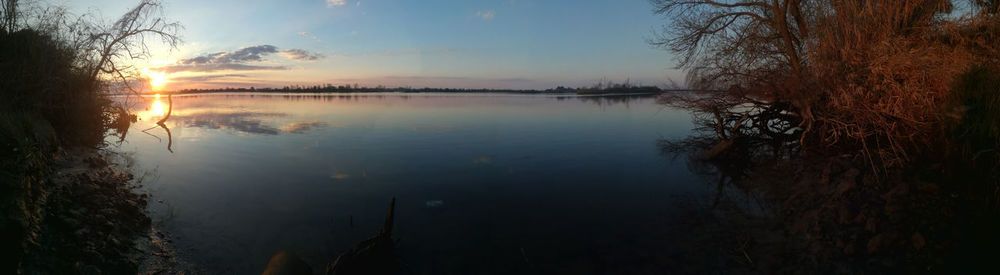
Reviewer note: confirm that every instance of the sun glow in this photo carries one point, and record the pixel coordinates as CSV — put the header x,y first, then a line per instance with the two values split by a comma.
x,y
156,79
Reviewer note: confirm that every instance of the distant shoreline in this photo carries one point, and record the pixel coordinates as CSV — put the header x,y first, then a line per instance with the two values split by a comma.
x,y
388,93
648,90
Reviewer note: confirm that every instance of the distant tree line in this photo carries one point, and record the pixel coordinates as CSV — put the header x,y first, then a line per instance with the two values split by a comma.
x,y
600,88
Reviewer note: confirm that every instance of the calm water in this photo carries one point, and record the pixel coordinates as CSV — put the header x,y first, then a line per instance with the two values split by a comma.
x,y
485,183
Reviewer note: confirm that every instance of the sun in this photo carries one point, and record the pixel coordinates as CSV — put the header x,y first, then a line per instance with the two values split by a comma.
x,y
157,80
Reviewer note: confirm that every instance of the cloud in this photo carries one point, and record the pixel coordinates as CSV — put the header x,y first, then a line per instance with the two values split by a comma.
x,y
250,54
200,78
301,55
486,15
247,54
308,35
334,3
204,59
237,60
217,67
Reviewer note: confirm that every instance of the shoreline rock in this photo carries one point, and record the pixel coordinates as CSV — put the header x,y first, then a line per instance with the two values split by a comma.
x,y
91,221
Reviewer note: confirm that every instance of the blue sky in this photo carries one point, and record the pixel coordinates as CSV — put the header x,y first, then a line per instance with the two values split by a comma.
x,y
518,44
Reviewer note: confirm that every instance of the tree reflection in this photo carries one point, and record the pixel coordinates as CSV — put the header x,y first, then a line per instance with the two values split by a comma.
x,y
161,123
609,100
817,211
732,137
733,132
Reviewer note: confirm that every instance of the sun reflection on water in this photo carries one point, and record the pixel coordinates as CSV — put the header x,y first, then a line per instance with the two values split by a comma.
x,y
154,110
157,108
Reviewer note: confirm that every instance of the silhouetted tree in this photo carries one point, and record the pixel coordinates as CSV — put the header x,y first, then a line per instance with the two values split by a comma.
x,y
109,49
9,9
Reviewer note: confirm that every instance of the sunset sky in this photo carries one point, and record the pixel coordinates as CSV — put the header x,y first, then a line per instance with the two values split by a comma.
x,y
515,44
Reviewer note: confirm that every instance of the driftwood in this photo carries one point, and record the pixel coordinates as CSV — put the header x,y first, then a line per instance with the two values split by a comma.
x,y
726,140
170,108
372,256
170,138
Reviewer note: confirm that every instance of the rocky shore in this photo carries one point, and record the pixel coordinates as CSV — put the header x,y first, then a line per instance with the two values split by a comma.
x,y
92,221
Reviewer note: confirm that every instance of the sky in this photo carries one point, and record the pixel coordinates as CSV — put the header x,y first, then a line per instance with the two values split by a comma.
x,y
499,44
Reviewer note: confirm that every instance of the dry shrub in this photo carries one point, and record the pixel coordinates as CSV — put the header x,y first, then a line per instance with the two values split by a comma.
x,y
865,77
884,70
887,100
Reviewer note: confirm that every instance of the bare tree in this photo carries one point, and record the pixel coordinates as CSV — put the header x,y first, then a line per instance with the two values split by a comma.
x,y
110,49
755,46
714,37
9,9
987,6
862,72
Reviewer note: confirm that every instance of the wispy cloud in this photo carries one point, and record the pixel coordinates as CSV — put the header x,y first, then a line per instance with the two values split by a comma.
x,y
486,15
247,54
334,3
217,67
250,54
200,78
310,36
301,55
410,51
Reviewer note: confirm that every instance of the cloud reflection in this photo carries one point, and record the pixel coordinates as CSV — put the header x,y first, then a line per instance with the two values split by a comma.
x,y
245,122
302,126
482,160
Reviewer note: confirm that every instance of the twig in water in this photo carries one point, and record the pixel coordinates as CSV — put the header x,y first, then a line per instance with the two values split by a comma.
x,y
525,257
743,249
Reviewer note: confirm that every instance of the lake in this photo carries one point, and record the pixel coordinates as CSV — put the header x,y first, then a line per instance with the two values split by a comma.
x,y
485,183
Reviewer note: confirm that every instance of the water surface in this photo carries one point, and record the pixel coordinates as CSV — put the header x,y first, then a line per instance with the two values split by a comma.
x,y
486,183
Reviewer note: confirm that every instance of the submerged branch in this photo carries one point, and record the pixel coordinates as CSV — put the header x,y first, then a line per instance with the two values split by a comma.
x,y
170,108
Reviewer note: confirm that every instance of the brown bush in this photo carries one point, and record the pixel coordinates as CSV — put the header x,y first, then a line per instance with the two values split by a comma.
x,y
869,77
883,74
